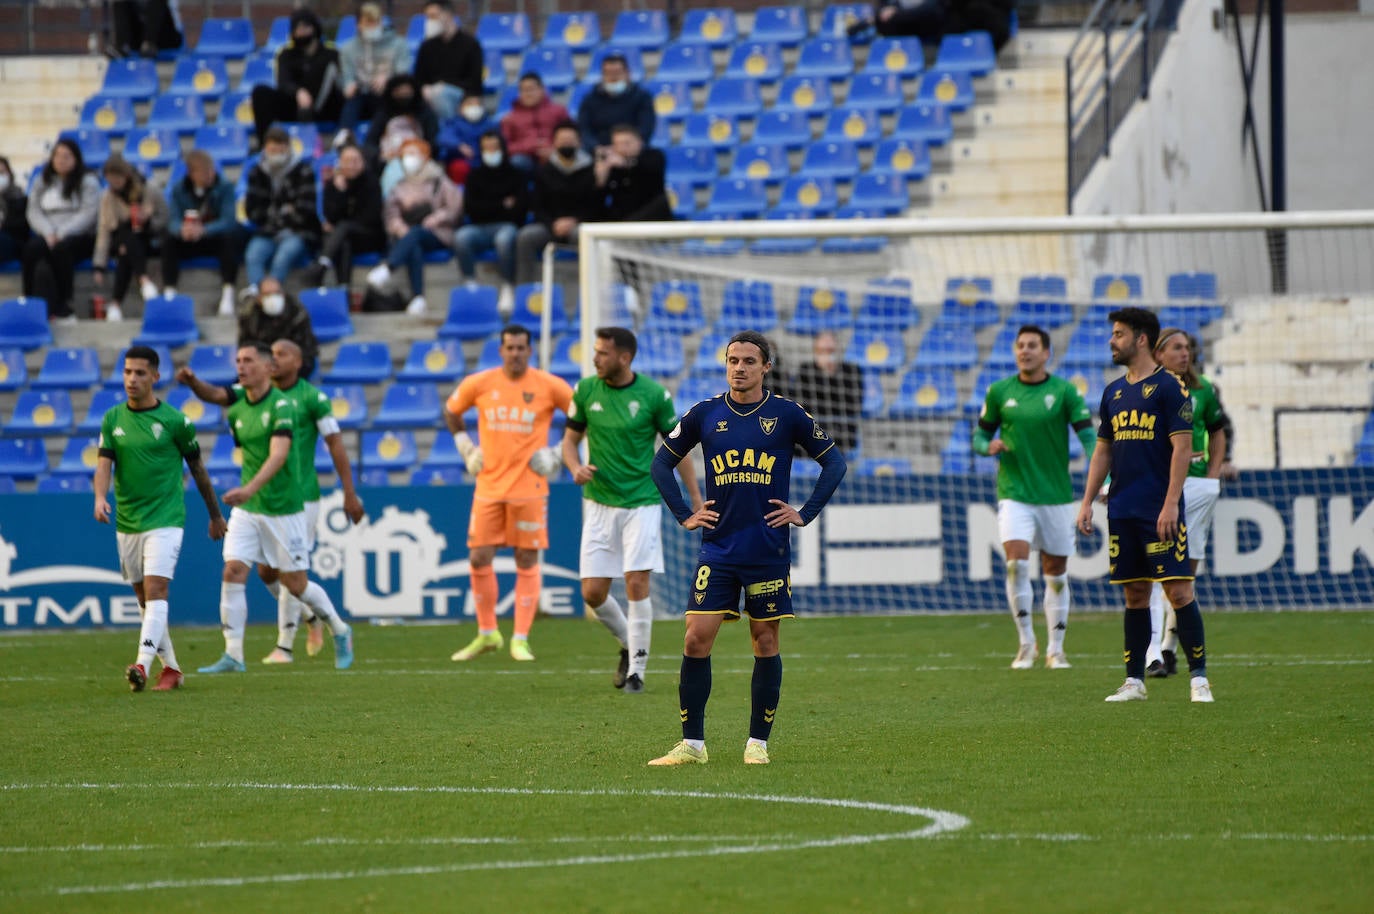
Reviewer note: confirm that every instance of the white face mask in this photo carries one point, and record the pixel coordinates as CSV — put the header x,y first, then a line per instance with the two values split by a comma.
x,y
272,305
433,28
4,182
491,159
412,162
474,113
276,160
371,33
614,88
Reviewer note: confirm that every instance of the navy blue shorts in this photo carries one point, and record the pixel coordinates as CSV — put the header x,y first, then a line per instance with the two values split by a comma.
x,y
1134,552
767,591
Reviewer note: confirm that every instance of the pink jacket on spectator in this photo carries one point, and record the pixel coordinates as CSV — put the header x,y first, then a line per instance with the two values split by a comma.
x,y
427,198
527,130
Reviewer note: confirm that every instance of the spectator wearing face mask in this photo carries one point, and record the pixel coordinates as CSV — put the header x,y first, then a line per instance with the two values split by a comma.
x,y
14,228
273,315
459,136
402,115
448,65
565,196
420,215
131,215
367,61
281,204
203,224
309,83
352,218
497,202
614,101
528,127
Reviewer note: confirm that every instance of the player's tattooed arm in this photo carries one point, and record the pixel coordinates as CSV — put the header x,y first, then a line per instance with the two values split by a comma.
x,y
218,525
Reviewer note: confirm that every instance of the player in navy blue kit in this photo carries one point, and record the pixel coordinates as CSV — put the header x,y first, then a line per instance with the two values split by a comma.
x,y
1147,429
747,437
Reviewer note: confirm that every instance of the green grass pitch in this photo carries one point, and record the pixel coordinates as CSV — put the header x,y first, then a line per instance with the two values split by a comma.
x,y
912,771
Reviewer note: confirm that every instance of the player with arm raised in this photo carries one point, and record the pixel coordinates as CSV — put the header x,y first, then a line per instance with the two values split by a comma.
x,y
621,413
747,437
1146,432
143,442
1035,506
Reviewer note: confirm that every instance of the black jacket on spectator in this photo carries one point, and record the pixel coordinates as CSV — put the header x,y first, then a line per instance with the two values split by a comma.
x,y
559,193
836,400
637,193
361,203
488,189
256,325
456,61
287,203
388,107
319,73
13,203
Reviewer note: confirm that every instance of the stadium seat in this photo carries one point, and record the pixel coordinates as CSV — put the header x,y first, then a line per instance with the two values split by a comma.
x,y
182,114
575,31
820,308
151,147
65,483
170,321
433,362
1043,300
885,466
472,313
948,348
566,359
236,109
554,64
710,246
232,38
950,90
74,368
415,33
259,70
1002,355
132,78
806,95
735,97
852,125
79,457
675,307
360,363
710,358
1199,288
694,164
436,475
504,33
672,98
925,394
838,17
885,192
698,387
114,379
783,25
443,453
213,364
23,458
388,450
957,455
305,139
329,315
788,245
686,62
94,145
1089,383
348,402
906,159
14,373
880,92
206,77
530,304
968,301
1109,287
41,412
762,161
813,194
714,28
112,116
681,197
660,354
970,53
225,458
710,130
874,401
837,159
204,416
760,60
24,323
826,58
375,477
738,198
278,35
854,244
902,56
879,351
790,129
102,401
646,30
409,406
924,123
1088,347
633,60
579,92
887,305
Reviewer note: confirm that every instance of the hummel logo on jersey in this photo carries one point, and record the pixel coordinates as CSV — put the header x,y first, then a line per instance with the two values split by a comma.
x,y
768,424
1148,389
1011,401
721,425
119,432
1117,395
596,407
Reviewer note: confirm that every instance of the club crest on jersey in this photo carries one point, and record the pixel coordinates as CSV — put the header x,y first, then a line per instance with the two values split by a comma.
x,y
722,425
700,598
529,397
768,424
156,429
1148,390
633,408
266,418
1185,412
1049,401
817,431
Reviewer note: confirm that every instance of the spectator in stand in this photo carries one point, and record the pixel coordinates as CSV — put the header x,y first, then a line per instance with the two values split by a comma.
x,y
449,62
528,127
61,212
144,27
203,224
132,214
565,196
403,115
14,228
274,315
460,137
614,101
633,176
308,79
281,204
931,20
367,61
831,389
497,199
421,213
352,218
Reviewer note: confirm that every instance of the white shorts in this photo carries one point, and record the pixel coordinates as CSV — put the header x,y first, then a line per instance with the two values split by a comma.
x,y
1199,504
617,540
153,552
260,539
312,517
1048,528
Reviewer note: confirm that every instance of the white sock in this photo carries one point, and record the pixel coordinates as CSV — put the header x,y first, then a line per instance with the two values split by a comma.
x,y
319,603
274,588
1157,604
1056,611
1169,641
1020,598
697,744
756,742
233,616
166,652
288,611
151,632
640,630
612,616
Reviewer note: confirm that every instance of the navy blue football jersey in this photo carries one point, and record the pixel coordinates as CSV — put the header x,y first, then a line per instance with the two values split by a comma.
x,y
748,455
1138,421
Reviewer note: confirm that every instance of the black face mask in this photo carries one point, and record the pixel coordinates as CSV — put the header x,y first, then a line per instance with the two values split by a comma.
x,y
305,41
402,101
567,152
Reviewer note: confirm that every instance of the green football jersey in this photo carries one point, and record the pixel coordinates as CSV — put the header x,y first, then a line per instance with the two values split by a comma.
x,y
312,405
622,425
1206,415
1035,420
147,447
254,425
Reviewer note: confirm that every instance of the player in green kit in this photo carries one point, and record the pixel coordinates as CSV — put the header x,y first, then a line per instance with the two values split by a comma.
x,y
267,526
621,414
1035,504
143,442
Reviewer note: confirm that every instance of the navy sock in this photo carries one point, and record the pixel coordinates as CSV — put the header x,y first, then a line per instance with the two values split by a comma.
x,y
693,689
1191,638
1136,624
764,690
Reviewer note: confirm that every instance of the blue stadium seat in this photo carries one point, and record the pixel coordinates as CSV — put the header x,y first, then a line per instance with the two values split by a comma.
x,y
879,351
790,129
1089,382
388,450
566,359
784,25
738,198
170,321
675,307
714,28
102,401
1002,355
681,197
880,92
436,475
182,114
348,402
633,60
14,373
504,33
968,301
735,97
278,34
686,62
112,116
971,53
373,477
213,364
443,453
74,368
854,244
433,362
152,147
472,313
925,394
672,98
1200,289
41,412
1109,287
950,90
1088,347
978,396
204,416
852,125
574,31
259,70
23,458
554,64
885,466
347,29
820,308
806,95
415,33
579,92
643,29
948,348
887,305
837,159
409,406
225,458
695,388
924,123
132,77
329,315
762,161
114,379
904,158
838,17
204,76
65,483
710,358
711,130
790,245
694,164
236,109
810,193
761,60
825,58
232,38
710,246
305,139
1044,301
79,457
660,354
885,192
902,56
360,363
957,455
94,145
227,144
530,304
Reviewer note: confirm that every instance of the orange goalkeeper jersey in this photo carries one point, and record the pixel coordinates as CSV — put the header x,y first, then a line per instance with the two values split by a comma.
x,y
513,419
